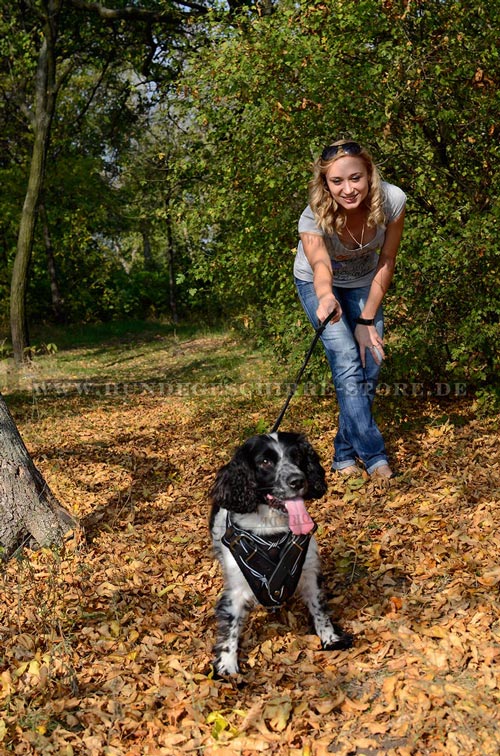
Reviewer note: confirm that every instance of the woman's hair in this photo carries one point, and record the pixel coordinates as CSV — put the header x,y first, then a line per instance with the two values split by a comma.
x,y
329,216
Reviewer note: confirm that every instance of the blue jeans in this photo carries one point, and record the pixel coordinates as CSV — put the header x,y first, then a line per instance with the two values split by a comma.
x,y
358,436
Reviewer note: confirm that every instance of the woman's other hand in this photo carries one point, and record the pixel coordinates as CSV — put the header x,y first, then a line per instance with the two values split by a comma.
x,y
369,339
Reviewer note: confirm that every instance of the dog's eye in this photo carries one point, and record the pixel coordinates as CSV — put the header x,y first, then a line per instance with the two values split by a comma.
x,y
266,462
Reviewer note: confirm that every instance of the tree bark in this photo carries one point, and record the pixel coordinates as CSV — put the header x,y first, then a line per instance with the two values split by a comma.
x,y
28,508
171,263
45,99
57,300
149,262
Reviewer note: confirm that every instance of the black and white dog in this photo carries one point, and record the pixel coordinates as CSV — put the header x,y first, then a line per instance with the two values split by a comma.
x,y
263,537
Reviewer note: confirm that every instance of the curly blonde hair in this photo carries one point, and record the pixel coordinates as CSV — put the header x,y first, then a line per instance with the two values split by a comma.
x,y
329,216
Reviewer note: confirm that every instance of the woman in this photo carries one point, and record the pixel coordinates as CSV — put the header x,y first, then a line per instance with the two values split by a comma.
x,y
349,237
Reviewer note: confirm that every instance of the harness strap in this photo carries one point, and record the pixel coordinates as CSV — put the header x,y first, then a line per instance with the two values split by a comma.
x,y
272,565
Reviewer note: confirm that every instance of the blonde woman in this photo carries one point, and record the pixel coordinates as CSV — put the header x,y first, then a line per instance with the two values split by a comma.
x,y
349,238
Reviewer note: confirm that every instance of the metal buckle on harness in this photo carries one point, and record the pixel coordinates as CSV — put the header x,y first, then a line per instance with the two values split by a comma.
x,y
234,540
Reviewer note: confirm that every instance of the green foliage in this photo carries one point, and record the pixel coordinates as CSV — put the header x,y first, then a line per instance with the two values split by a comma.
x,y
99,288
417,83
203,151
106,91
487,401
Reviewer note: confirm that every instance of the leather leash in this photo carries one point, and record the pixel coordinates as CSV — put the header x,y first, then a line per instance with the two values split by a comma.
x,y
293,388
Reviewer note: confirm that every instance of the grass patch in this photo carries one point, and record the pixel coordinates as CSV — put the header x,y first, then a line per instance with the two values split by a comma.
x,y
103,350
92,335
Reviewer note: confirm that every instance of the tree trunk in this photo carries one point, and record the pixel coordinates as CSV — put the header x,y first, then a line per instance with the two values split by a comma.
x,y
149,262
28,508
57,300
171,264
45,98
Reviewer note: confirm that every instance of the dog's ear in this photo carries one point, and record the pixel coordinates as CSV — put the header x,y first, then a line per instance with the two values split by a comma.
x,y
235,487
315,474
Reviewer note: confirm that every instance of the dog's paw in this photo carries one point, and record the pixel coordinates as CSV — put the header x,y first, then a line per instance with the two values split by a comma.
x,y
345,640
225,669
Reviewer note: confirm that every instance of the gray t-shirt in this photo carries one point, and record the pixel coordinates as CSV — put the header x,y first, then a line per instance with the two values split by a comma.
x,y
351,267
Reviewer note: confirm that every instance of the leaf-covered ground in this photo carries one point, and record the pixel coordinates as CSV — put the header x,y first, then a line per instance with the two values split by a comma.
x,y
106,645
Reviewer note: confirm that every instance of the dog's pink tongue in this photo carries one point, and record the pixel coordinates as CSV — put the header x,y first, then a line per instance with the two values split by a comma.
x,y
298,516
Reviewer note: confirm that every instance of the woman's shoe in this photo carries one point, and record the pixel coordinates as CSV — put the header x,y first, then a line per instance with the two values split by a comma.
x,y
384,471
346,472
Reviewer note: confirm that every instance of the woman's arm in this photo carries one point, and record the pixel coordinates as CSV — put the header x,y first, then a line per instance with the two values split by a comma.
x,y
319,260
385,267
367,335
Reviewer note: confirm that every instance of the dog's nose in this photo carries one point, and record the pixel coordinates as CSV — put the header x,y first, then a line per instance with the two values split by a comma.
x,y
296,481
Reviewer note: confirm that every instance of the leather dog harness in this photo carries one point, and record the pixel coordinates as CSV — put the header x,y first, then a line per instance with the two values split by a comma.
x,y
272,565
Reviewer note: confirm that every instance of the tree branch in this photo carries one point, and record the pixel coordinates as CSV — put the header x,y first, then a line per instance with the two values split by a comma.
x,y
134,13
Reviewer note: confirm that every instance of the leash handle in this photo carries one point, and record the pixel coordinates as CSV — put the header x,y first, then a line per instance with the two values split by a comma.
x,y
319,330
323,324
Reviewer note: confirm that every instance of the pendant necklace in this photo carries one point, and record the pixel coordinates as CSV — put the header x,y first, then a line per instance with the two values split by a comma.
x,y
359,243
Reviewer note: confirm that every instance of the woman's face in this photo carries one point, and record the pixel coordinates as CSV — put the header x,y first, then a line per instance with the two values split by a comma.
x,y
347,181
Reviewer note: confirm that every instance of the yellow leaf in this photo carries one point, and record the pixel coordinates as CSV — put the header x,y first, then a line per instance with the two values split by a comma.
x,y
167,589
3,729
221,725
21,669
32,667
375,547
6,679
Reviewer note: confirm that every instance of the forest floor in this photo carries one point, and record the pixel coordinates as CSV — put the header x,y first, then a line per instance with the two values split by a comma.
x,y
106,644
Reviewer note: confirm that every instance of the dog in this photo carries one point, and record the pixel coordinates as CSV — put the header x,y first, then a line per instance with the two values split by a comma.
x,y
263,538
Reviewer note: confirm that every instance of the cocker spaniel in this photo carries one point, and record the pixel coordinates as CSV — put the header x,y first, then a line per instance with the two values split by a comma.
x,y
263,537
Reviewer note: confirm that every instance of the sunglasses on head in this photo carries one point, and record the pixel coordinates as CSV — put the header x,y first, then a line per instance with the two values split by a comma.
x,y
350,148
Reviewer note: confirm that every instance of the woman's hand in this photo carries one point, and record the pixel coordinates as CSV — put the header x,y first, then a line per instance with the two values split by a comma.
x,y
328,304
369,339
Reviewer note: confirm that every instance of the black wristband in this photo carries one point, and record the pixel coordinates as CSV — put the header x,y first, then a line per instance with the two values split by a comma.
x,y
365,321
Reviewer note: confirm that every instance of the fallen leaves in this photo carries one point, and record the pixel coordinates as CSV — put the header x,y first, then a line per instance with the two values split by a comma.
x,y
106,648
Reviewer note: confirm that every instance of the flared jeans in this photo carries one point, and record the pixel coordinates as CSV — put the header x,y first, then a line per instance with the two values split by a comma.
x,y
358,436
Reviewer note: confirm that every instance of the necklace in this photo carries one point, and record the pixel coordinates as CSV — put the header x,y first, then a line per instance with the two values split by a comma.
x,y
359,243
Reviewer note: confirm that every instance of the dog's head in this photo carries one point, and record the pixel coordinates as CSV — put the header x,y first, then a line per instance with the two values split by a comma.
x,y
269,469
